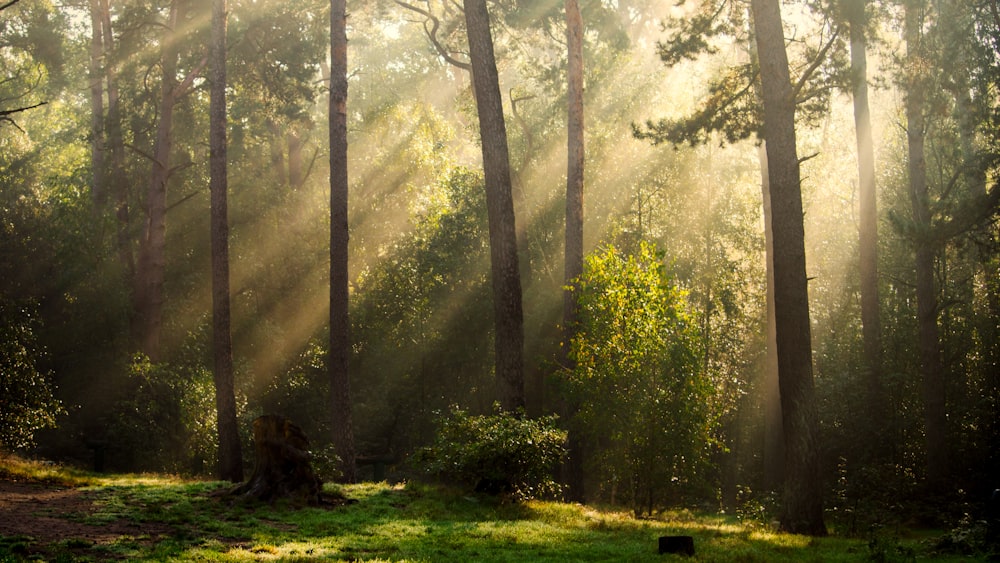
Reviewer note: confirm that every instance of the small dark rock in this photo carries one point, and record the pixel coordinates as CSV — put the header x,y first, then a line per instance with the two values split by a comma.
x,y
683,545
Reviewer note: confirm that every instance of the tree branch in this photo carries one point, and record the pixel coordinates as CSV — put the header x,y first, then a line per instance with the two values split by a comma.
x,y
6,112
432,35
8,4
817,62
184,88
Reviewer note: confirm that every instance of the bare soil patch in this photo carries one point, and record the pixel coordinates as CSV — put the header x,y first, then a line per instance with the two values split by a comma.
x,y
46,514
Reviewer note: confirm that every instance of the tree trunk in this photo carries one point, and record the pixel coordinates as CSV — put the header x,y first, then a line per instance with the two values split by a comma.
x,y
927,306
507,308
868,227
230,457
774,436
116,148
340,339
152,248
277,149
802,510
99,185
295,177
573,265
281,464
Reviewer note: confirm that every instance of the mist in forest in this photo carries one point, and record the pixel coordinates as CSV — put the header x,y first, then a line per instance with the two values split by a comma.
x,y
671,350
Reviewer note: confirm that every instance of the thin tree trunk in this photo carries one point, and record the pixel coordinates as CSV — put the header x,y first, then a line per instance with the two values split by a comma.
x,y
152,248
99,185
802,510
340,339
507,307
295,177
116,146
927,307
230,457
573,266
277,150
868,226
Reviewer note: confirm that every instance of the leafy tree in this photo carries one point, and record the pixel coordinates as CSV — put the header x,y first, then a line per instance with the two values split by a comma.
x,y
422,320
27,403
643,395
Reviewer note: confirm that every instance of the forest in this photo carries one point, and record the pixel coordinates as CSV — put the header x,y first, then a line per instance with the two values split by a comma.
x,y
736,255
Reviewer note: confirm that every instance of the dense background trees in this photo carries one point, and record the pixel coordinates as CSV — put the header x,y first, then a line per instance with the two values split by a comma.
x,y
94,199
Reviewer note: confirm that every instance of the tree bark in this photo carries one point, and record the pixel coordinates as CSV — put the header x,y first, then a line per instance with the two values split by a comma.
x,y
927,306
340,339
230,458
148,293
802,510
116,148
573,259
98,186
281,464
774,436
868,226
507,307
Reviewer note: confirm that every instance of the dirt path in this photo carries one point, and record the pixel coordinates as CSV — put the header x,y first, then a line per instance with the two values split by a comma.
x,y
47,514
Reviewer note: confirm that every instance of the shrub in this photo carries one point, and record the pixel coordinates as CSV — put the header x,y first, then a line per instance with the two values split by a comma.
x,y
499,453
27,403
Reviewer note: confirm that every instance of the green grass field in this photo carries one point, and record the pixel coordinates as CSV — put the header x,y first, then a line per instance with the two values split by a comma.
x,y
169,519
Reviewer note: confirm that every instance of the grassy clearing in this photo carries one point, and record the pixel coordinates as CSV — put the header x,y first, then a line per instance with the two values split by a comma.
x,y
194,521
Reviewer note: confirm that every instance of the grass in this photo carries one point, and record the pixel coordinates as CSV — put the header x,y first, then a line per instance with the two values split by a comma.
x,y
194,521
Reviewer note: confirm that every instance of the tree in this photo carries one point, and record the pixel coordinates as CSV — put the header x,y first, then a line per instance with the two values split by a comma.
x,y
573,257
868,224
340,339
733,108
112,123
639,380
230,458
802,505
931,369
509,348
98,187
148,293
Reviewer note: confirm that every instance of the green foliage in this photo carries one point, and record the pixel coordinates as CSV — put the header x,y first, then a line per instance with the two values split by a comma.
x,y
643,396
27,404
422,320
503,452
166,419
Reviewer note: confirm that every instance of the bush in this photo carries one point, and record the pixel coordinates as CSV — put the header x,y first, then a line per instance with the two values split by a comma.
x,y
26,400
499,453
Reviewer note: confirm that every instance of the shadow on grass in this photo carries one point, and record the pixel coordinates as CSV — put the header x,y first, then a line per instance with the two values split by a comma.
x,y
417,523
412,523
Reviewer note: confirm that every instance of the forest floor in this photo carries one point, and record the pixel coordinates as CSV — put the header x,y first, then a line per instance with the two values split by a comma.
x,y
79,517
48,514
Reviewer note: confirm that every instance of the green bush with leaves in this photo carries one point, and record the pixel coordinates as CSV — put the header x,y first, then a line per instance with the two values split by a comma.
x,y
166,419
499,453
26,401
644,400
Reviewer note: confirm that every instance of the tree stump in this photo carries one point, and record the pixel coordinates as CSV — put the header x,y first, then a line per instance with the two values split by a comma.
x,y
281,464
